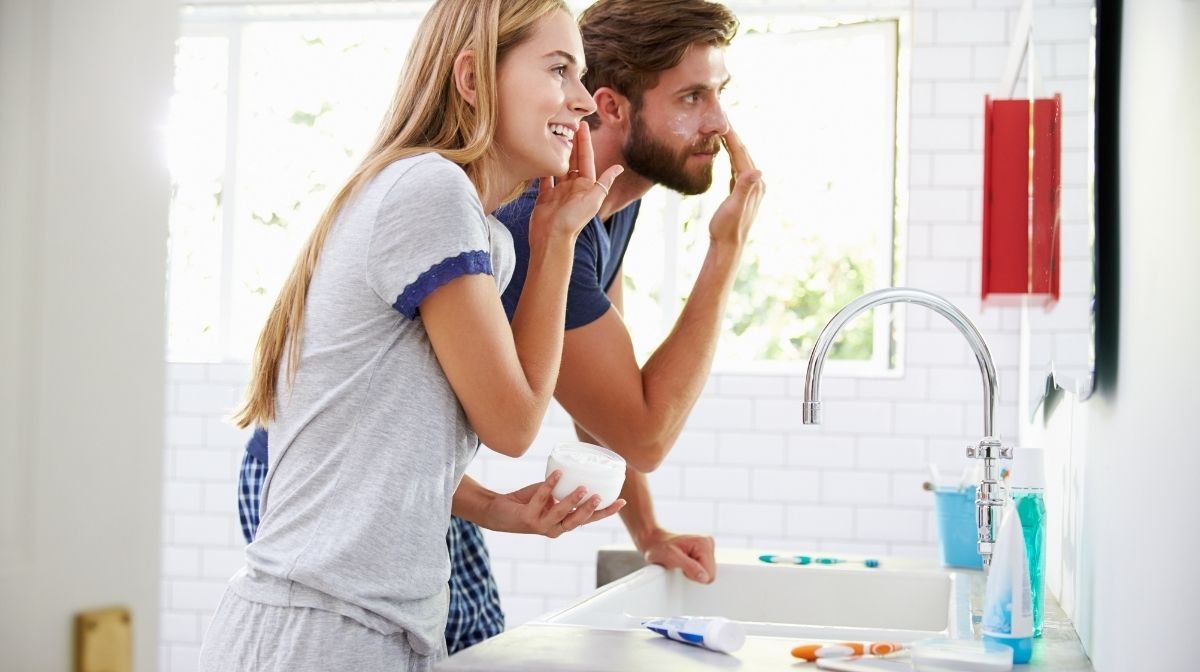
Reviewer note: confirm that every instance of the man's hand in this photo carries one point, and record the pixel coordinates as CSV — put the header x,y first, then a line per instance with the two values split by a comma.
x,y
692,553
731,222
533,510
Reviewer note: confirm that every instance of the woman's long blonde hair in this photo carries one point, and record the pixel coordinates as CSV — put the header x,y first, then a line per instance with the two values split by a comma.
x,y
427,114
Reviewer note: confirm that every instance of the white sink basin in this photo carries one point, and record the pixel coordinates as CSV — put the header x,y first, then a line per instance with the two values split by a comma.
x,y
902,600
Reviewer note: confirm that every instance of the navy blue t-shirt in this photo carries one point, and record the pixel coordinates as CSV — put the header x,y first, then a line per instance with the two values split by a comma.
x,y
599,251
257,445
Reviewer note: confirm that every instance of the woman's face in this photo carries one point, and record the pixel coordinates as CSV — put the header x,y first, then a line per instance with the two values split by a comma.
x,y
541,100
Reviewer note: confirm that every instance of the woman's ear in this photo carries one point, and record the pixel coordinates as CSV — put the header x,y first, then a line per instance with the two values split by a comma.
x,y
612,108
464,76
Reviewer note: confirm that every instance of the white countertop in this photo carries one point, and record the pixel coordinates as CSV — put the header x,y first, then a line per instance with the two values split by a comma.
x,y
579,649
539,646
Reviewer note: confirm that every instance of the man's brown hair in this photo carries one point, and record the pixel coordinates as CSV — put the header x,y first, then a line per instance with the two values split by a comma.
x,y
628,43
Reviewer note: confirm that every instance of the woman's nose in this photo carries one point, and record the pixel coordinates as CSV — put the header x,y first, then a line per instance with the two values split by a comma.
x,y
579,99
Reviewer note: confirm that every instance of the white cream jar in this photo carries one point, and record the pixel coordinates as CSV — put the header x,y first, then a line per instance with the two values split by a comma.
x,y
600,470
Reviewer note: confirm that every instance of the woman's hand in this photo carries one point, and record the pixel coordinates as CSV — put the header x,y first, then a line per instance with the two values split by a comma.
x,y
533,510
568,203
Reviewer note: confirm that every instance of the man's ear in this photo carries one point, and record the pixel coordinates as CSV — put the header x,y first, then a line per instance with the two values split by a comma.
x,y
612,108
464,76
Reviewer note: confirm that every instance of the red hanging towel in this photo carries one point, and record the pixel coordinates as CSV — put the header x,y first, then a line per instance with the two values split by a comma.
x,y
1021,184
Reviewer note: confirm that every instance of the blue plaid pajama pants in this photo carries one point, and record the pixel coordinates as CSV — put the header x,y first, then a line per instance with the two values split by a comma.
x,y
475,613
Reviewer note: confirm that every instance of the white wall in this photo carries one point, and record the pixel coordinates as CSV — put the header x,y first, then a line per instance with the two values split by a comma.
x,y
1125,551
84,86
745,469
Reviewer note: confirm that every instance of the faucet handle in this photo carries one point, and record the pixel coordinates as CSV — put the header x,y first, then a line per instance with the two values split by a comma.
x,y
990,448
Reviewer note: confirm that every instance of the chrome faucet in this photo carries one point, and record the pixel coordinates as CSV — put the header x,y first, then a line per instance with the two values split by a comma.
x,y
989,503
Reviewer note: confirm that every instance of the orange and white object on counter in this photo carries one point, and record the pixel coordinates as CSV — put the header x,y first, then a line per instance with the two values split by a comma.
x,y
812,652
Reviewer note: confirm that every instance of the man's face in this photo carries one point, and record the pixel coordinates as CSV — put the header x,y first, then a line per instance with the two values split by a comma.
x,y
676,130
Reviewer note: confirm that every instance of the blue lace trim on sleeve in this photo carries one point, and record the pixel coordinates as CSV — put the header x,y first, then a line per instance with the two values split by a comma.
x,y
467,263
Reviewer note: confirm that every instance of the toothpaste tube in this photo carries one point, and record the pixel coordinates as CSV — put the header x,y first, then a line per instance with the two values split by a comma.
x,y
713,633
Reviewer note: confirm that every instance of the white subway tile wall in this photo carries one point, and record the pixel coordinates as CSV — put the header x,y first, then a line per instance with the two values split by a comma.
x,y
745,469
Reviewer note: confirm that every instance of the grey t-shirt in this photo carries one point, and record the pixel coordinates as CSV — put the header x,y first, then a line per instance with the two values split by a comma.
x,y
370,442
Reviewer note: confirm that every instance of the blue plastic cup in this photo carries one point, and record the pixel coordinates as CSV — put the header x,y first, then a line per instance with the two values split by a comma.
x,y
957,531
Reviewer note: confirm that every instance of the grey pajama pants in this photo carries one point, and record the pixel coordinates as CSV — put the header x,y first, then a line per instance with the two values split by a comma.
x,y
248,636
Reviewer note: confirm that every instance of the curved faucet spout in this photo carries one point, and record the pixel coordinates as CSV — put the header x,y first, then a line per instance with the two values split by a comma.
x,y
816,361
988,500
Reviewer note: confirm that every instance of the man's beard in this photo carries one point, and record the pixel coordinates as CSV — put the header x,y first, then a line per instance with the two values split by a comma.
x,y
656,161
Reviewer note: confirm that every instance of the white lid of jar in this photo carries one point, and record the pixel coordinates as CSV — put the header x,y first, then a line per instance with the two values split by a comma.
x,y
588,456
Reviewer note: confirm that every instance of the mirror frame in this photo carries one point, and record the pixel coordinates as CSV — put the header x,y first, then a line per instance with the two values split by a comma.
x,y
1106,258
1106,267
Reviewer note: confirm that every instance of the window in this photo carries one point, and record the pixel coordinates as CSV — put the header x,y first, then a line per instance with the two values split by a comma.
x,y
271,112
274,105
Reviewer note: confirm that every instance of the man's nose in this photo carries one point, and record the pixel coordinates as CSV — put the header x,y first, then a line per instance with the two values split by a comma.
x,y
715,121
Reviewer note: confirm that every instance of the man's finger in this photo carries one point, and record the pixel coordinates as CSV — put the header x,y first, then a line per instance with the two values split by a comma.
x,y
703,552
739,157
674,556
742,184
694,570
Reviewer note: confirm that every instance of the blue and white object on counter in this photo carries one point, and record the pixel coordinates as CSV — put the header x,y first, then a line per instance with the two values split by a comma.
x,y
1028,485
713,633
808,560
1007,604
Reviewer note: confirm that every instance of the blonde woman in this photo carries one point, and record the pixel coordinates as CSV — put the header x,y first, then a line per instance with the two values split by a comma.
x,y
388,355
